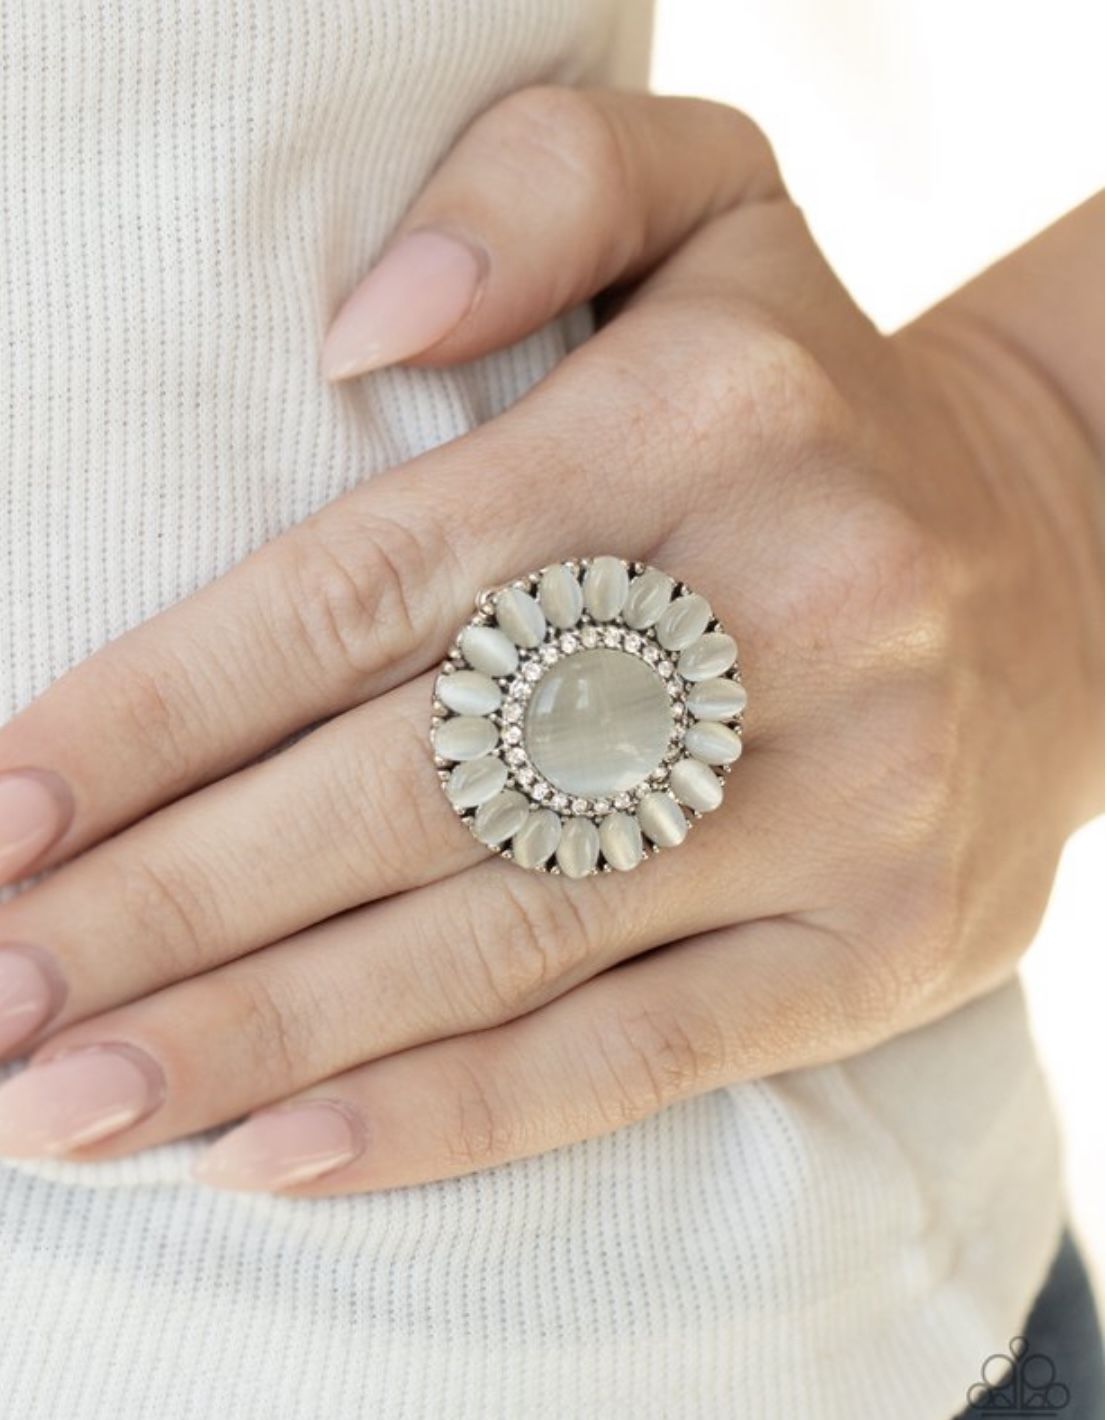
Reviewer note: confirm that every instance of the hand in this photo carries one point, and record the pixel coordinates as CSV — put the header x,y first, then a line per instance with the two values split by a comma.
x,y
893,528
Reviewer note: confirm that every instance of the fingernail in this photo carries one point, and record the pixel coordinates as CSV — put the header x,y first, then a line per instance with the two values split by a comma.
x,y
30,993
416,294
33,812
76,1099
279,1148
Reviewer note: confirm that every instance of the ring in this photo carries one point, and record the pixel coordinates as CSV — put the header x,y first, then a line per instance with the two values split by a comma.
x,y
582,710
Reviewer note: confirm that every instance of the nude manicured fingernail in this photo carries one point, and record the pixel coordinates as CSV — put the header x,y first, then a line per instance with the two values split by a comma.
x,y
280,1148
33,812
76,1099
416,294
30,993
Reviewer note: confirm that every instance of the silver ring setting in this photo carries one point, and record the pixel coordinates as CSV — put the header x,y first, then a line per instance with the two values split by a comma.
x,y
584,712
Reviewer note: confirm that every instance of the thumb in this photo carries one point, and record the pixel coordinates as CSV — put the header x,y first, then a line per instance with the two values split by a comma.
x,y
550,197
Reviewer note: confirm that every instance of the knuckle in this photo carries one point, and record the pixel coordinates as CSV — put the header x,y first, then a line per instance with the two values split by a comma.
x,y
545,132
873,583
526,945
169,909
382,849
157,709
906,934
356,596
749,378
479,1131
270,1043
659,1054
790,395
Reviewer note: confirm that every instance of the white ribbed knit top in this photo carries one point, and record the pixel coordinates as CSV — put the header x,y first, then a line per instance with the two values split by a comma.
x,y
187,192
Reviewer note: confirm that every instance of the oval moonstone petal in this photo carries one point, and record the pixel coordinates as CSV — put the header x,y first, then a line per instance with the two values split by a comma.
x,y
696,785
560,597
476,781
683,621
579,848
465,737
500,817
712,742
708,657
488,650
520,617
606,584
598,722
537,840
717,699
662,820
621,841
468,693
647,598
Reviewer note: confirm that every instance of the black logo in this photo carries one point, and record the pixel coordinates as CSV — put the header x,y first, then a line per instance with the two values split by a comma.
x,y
1022,1383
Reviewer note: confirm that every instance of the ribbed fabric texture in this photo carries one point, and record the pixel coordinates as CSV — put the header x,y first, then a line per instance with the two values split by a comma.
x,y
188,190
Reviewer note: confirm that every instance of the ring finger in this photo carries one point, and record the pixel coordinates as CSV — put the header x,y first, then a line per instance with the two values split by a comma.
x,y
464,954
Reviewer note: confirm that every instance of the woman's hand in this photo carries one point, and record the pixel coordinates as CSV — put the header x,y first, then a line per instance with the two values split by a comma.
x,y
897,530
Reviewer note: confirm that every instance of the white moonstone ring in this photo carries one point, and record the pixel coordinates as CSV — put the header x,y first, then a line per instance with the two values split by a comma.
x,y
582,711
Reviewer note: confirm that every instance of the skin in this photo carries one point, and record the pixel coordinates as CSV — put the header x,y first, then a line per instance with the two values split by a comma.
x,y
901,533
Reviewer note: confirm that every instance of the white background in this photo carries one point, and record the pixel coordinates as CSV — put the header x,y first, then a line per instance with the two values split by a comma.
x,y
925,138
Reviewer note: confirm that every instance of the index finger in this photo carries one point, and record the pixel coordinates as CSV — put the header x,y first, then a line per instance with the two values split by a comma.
x,y
357,599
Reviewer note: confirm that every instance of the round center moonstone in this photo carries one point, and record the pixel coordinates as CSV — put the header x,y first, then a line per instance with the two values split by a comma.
x,y
598,722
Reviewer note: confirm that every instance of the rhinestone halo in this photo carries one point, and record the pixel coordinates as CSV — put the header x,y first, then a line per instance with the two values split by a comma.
x,y
535,625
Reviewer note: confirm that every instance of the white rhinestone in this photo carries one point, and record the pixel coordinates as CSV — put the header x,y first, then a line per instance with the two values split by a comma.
x,y
549,654
580,806
621,841
532,670
712,742
622,801
524,775
513,712
468,693
488,650
513,735
662,820
708,657
520,617
465,737
605,587
612,637
476,781
541,790
647,598
665,669
516,756
579,848
683,622
717,699
589,636
632,641
696,785
569,644
500,817
537,840
650,653
601,806
560,596
560,802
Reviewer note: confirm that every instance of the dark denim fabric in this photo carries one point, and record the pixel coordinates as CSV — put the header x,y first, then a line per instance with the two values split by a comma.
x,y
1059,1372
